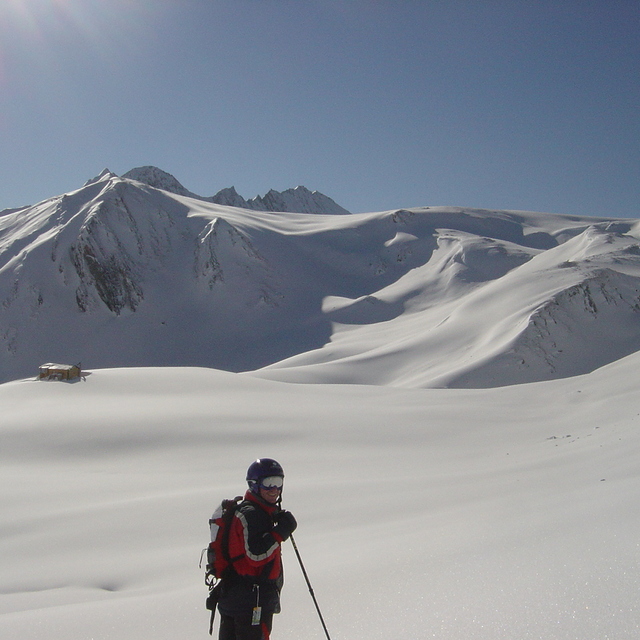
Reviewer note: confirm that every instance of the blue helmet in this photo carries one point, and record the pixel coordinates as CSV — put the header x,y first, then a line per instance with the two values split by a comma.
x,y
262,468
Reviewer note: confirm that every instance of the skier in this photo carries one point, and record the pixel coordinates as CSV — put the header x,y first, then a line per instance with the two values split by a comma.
x,y
250,593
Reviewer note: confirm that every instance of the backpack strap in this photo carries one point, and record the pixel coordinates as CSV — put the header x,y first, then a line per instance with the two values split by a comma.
x,y
230,506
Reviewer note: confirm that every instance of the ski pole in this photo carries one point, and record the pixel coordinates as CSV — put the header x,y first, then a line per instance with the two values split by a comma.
x,y
306,577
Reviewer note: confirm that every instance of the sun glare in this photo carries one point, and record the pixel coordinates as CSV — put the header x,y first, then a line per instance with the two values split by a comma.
x,y
34,15
105,26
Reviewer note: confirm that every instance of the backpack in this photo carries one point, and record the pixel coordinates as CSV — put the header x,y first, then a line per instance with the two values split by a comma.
x,y
219,563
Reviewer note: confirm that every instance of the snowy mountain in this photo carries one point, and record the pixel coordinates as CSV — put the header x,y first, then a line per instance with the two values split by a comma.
x,y
478,513
122,273
298,200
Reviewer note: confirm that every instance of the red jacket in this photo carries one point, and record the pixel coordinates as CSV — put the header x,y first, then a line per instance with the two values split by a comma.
x,y
254,548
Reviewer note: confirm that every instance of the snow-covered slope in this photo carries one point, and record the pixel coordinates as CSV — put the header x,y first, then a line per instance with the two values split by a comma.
x,y
121,273
485,312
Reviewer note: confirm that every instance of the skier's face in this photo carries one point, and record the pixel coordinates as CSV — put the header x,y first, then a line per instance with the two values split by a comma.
x,y
270,495
271,488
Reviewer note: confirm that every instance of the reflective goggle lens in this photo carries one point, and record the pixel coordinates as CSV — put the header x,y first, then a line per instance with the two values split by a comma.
x,y
272,482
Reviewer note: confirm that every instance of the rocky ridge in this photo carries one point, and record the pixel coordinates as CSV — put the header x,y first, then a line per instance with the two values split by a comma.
x,y
297,200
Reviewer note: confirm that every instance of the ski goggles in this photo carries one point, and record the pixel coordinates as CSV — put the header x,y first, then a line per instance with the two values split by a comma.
x,y
272,482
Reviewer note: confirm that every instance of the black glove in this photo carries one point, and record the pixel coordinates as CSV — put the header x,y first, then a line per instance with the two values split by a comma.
x,y
285,524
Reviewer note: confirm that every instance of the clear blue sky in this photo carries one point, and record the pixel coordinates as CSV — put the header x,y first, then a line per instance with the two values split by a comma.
x,y
380,104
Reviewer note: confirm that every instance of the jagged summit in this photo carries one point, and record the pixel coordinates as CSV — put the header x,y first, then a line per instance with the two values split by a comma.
x,y
298,200
105,174
231,198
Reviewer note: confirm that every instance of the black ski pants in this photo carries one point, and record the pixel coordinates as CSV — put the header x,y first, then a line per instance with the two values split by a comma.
x,y
241,628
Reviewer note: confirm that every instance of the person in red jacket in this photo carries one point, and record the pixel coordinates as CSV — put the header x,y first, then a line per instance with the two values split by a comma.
x,y
250,593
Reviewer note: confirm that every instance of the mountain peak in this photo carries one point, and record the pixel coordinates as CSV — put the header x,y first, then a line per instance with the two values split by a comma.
x,y
298,200
158,179
229,197
105,174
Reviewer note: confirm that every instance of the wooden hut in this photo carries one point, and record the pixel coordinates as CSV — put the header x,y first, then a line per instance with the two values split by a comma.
x,y
52,371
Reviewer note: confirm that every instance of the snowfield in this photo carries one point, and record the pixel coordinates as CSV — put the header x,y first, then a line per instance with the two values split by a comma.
x,y
423,513
453,394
